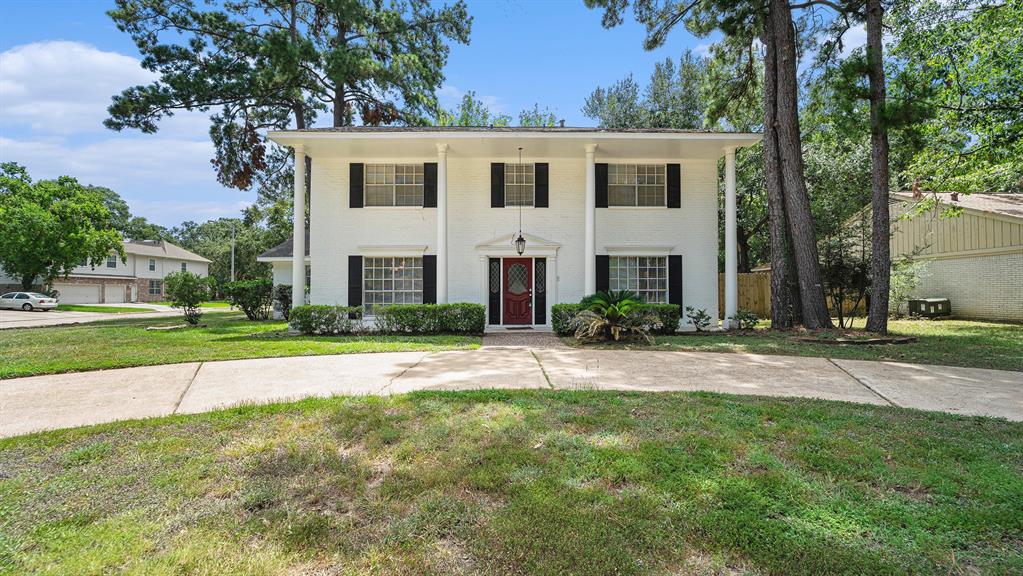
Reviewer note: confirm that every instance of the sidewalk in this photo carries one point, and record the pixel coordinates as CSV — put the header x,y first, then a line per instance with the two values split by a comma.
x,y
66,400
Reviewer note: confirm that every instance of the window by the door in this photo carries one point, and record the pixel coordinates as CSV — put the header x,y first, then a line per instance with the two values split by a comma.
x,y
644,275
155,287
519,184
394,184
392,280
636,185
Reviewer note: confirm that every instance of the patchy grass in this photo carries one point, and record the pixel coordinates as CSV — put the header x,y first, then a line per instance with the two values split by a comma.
x,y
101,309
949,342
126,342
527,482
210,304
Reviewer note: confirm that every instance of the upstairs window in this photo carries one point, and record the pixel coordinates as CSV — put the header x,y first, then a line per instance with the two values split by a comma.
x,y
112,261
636,185
644,275
152,264
184,267
519,184
394,184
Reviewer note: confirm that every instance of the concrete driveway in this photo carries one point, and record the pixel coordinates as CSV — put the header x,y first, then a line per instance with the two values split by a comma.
x,y
38,318
67,400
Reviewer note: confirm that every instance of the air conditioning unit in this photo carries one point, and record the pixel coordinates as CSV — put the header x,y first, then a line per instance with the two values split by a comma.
x,y
930,307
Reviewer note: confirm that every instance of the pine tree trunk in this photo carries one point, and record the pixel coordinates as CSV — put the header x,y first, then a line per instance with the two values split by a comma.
x,y
780,317
880,255
790,154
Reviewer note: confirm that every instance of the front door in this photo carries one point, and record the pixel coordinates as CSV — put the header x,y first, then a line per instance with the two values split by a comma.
x,y
518,292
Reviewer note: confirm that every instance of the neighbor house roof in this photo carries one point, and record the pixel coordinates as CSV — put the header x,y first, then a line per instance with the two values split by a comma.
x,y
283,250
161,249
1003,204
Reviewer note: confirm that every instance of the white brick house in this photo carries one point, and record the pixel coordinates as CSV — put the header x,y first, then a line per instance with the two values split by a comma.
x,y
431,215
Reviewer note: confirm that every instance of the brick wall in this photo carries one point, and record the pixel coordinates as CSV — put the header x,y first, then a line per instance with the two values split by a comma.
x,y
981,287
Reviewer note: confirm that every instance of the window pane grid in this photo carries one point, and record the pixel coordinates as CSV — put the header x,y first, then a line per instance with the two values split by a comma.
x,y
519,184
394,184
392,280
645,275
636,185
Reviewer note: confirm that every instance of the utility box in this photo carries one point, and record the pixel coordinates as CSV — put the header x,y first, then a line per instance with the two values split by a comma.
x,y
930,307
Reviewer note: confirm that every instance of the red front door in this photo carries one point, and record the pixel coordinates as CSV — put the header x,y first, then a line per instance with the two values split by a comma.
x,y
518,291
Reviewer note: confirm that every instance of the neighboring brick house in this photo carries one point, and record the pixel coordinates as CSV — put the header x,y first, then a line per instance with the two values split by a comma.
x,y
138,279
975,259
420,215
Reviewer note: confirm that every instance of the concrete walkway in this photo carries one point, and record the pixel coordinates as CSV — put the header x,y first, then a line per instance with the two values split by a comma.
x,y
66,400
39,319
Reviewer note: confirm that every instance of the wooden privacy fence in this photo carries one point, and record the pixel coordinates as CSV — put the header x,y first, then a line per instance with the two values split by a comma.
x,y
754,293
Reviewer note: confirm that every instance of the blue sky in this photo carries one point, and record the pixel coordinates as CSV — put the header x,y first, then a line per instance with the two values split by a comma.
x,y
61,60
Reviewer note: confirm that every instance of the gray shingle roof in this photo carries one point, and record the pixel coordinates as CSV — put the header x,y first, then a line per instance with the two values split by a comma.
x,y
1004,204
484,129
285,249
161,249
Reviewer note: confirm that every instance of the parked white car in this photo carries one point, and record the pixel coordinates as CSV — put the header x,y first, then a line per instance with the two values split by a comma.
x,y
28,301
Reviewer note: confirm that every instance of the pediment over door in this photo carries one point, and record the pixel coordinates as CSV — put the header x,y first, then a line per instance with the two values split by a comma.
x,y
505,246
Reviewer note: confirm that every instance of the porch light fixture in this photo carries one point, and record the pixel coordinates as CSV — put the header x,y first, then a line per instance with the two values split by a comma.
x,y
520,242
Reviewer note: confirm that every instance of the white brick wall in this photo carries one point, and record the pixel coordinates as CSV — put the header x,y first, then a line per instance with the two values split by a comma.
x,y
982,287
336,230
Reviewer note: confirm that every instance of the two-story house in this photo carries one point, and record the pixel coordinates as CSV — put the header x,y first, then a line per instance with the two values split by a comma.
x,y
138,278
517,219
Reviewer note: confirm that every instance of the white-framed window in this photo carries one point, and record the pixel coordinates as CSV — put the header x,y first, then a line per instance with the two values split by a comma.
x,y
112,261
394,184
152,264
644,275
636,185
184,266
392,280
155,287
519,184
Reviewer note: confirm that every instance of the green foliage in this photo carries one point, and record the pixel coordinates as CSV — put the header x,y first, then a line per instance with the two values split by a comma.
x,y
187,291
699,318
561,318
613,315
747,319
253,297
906,275
48,227
471,111
212,239
845,268
668,317
458,318
320,319
282,297
538,118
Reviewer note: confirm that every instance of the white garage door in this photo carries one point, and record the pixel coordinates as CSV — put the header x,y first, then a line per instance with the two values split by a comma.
x,y
115,293
78,293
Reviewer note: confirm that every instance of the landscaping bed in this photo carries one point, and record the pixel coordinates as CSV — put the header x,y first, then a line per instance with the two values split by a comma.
x,y
525,482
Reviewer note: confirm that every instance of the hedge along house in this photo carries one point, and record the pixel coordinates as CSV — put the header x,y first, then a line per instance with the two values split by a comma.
x,y
423,215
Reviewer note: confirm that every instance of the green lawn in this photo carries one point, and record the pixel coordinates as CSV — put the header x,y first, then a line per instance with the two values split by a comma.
x,y
950,342
228,335
528,482
101,309
211,304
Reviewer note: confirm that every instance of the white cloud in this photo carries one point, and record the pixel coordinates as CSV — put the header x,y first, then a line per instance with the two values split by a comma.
x,y
853,38
702,50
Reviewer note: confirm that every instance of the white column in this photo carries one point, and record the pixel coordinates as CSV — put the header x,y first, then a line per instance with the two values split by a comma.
x,y
590,265
298,231
731,251
442,223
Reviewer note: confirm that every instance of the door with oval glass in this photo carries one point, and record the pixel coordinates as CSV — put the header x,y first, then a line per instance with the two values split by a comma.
x,y
518,291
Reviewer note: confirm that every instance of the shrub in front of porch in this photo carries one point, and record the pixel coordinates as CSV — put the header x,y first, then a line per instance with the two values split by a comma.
x,y
321,319
457,318
668,317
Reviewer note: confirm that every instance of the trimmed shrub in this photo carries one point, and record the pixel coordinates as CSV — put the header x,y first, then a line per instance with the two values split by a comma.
x,y
747,319
254,297
699,318
458,318
187,291
668,317
319,319
562,316
282,298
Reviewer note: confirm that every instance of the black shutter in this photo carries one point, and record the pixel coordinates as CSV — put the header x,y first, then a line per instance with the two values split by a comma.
x,y
494,290
355,280
429,279
497,185
674,173
675,280
542,198
603,273
355,185
430,185
539,290
601,176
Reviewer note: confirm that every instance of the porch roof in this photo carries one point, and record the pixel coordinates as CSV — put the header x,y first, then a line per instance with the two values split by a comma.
x,y
497,142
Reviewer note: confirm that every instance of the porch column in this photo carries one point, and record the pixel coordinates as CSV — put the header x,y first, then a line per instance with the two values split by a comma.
x,y
731,251
442,223
298,231
590,241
